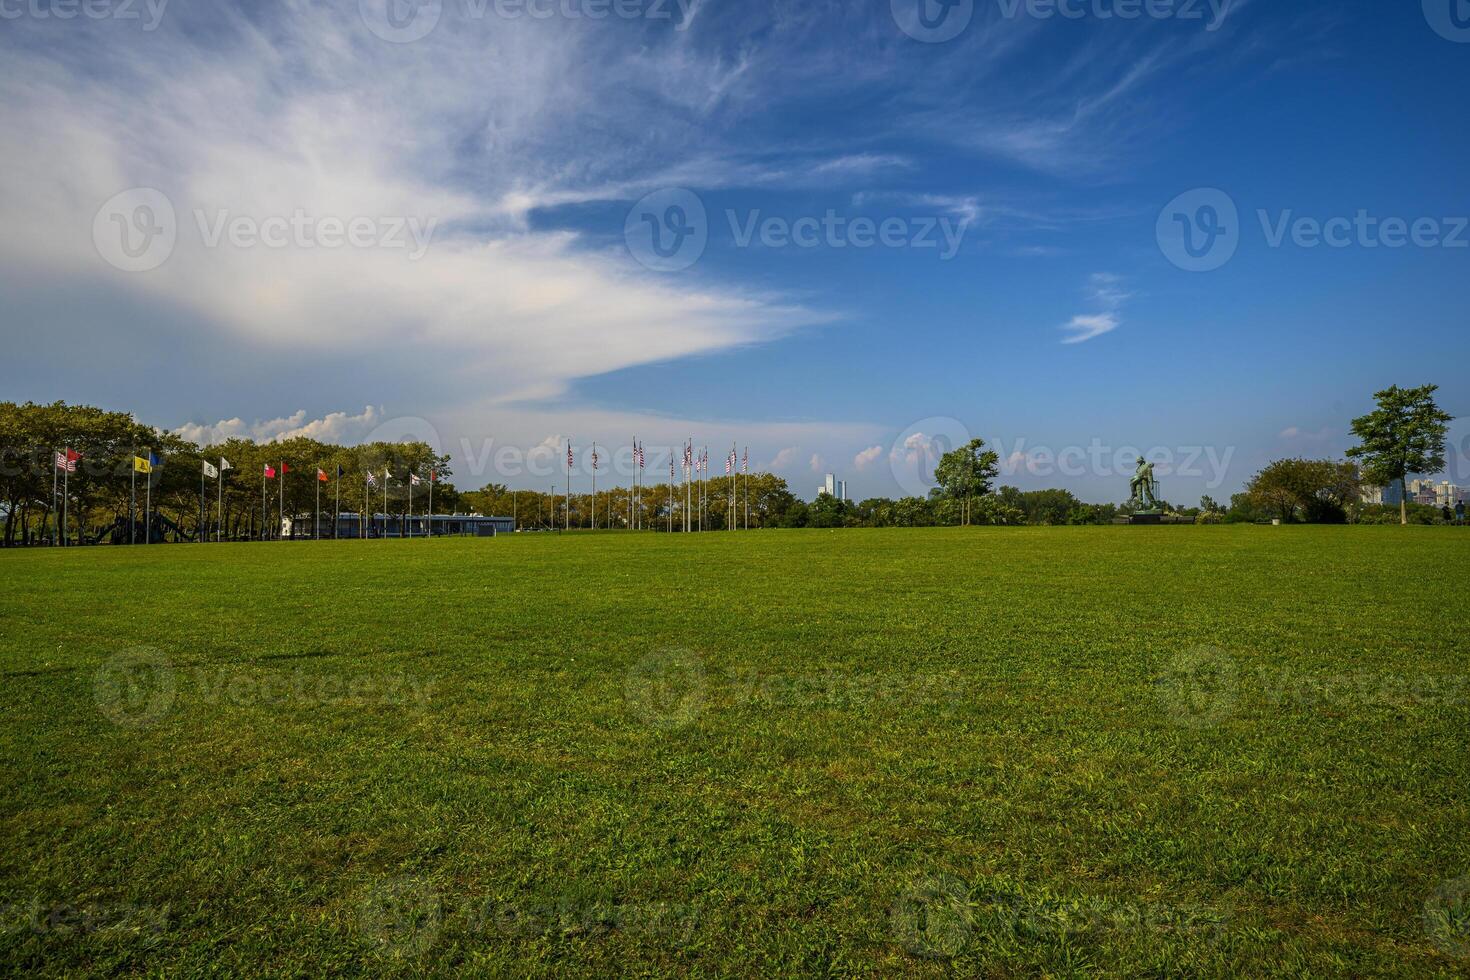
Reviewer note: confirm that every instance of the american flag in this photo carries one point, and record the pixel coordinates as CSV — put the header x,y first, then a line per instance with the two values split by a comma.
x,y
569,455
594,459
68,460
730,463
745,464
640,455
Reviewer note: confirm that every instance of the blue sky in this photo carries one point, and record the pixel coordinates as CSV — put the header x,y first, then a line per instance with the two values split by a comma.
x,y
503,295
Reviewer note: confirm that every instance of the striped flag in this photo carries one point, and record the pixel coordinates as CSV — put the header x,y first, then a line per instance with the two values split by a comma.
x,y
68,460
569,456
594,457
745,464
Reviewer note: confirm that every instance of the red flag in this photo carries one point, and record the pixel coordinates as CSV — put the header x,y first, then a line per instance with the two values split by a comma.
x,y
270,474
285,469
321,476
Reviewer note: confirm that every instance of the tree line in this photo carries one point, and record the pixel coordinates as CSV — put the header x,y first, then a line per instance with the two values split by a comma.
x,y
1404,435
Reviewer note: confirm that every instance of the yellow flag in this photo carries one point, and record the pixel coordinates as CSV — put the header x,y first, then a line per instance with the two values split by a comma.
x,y
142,465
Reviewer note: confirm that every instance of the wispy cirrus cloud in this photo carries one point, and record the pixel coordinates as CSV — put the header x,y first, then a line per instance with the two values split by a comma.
x,y
1104,289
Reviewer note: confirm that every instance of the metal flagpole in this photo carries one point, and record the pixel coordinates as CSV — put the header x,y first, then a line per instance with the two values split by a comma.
x,y
671,493
746,467
386,477
219,510
262,502
201,504
362,518
411,475
65,499
281,490
433,476
337,511
594,486
133,505
688,487
567,523
148,504
54,535
316,516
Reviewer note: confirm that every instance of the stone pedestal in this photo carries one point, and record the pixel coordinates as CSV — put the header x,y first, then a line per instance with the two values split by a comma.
x,y
1146,517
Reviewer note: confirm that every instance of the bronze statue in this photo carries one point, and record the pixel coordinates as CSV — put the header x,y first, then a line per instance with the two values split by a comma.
x,y
1144,487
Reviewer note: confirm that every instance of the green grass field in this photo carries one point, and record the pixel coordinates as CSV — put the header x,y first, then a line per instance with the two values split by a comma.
x,y
1145,751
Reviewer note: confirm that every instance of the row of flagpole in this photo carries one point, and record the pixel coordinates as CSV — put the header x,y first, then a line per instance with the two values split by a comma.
x,y
695,471
66,464
695,475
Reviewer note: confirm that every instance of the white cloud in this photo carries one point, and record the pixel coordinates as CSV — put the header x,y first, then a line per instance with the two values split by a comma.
x,y
303,112
337,427
1104,289
867,457
818,464
1084,328
784,458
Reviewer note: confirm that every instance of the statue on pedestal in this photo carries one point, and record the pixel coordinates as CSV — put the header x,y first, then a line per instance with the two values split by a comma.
x,y
1144,488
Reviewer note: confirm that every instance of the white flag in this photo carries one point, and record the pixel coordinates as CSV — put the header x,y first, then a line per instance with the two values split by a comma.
x,y
224,464
414,478
210,471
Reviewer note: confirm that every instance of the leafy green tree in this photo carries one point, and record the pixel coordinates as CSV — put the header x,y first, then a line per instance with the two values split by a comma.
x,y
1314,490
1404,435
966,473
